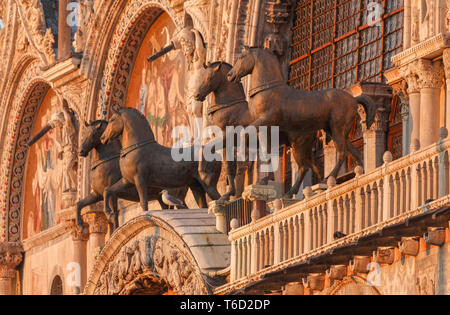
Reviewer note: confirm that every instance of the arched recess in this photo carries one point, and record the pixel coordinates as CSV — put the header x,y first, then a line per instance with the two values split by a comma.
x,y
147,256
352,286
113,43
25,103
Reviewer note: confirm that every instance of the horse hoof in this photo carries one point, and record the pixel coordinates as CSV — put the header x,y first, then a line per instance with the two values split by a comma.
x,y
225,198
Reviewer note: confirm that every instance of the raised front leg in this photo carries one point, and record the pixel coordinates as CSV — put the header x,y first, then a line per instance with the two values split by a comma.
x,y
110,197
89,200
230,169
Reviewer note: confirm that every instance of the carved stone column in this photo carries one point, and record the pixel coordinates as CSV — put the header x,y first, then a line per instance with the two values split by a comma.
x,y
64,31
98,227
406,129
259,195
407,25
375,137
411,77
430,81
446,59
78,281
10,258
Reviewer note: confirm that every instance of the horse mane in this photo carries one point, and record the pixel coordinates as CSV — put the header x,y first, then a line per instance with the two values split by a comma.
x,y
221,62
140,115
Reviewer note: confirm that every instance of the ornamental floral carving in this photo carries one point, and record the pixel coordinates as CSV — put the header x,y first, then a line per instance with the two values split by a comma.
x,y
430,74
33,21
10,258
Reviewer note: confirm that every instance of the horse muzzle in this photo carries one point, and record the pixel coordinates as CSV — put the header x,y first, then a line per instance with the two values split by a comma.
x,y
233,77
199,97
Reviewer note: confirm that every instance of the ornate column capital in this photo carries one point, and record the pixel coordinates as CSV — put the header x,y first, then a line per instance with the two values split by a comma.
x,y
97,222
259,193
409,73
430,74
10,258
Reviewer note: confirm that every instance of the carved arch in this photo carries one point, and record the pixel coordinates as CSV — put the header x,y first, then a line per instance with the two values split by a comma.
x,y
353,285
25,99
146,255
116,25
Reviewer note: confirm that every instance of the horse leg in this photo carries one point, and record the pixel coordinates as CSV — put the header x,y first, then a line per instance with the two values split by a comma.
x,y
341,146
110,195
354,152
141,187
89,200
199,194
302,170
230,169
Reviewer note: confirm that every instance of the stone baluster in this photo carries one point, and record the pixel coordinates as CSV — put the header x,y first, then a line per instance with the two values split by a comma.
x,y
388,190
254,259
443,167
98,227
331,211
10,258
234,224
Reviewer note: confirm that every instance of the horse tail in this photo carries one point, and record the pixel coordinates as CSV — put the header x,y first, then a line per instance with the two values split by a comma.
x,y
369,106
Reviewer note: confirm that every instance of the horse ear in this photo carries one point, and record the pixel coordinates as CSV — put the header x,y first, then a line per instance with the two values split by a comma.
x,y
116,110
86,123
218,67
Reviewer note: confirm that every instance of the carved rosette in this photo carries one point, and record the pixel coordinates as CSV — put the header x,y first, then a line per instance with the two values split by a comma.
x,y
10,258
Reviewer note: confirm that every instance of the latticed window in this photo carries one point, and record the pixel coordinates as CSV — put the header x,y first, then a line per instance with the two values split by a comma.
x,y
337,43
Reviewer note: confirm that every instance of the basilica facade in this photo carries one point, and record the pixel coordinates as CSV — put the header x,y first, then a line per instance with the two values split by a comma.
x,y
377,228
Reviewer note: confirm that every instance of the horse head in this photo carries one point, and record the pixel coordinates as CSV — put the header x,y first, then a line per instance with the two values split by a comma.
x,y
91,137
244,65
114,129
211,81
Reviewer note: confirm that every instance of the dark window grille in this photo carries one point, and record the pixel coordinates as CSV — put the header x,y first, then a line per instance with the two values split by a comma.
x,y
338,43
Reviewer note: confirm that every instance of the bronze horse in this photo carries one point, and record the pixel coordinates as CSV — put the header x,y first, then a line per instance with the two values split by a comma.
x,y
147,165
230,108
105,172
274,103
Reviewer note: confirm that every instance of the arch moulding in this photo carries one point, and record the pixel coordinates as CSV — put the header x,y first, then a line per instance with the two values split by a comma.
x,y
146,255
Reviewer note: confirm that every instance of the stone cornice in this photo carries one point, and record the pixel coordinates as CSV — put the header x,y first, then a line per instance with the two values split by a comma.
x,y
428,49
46,236
62,69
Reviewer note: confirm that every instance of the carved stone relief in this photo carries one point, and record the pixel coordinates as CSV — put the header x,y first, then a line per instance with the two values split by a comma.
x,y
150,265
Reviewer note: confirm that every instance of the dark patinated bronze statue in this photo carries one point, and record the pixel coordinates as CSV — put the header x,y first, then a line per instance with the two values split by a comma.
x,y
230,108
105,172
146,164
274,103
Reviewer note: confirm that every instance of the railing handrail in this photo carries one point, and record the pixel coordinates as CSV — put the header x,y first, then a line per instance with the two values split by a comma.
x,y
342,189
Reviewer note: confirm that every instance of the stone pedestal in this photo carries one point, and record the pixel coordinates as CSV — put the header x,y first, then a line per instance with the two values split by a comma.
x,y
217,208
98,227
259,195
10,258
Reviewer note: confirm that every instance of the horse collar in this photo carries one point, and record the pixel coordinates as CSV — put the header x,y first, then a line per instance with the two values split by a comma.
x,y
100,162
264,87
126,151
217,107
